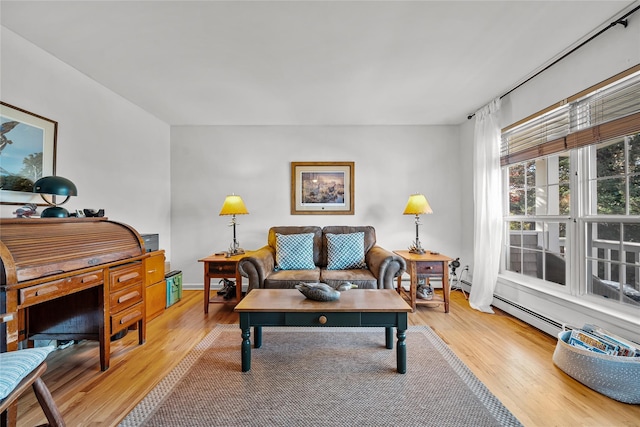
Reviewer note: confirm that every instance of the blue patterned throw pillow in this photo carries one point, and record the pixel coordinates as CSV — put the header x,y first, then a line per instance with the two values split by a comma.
x,y
294,251
345,251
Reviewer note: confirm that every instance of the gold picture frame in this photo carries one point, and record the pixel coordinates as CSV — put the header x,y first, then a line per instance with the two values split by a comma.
x,y
27,153
322,188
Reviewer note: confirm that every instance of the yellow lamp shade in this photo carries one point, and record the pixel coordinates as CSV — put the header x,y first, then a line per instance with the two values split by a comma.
x,y
417,205
233,205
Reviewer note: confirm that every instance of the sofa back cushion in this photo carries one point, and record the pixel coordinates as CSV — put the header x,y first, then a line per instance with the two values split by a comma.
x,y
369,237
317,238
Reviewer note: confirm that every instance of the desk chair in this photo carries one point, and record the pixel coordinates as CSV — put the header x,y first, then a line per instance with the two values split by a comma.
x,y
18,371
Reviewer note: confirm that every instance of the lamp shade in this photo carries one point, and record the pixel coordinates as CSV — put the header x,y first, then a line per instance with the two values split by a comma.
x,y
55,185
233,205
417,205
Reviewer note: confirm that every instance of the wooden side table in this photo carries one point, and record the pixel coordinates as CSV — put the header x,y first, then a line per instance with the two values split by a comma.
x,y
221,267
426,265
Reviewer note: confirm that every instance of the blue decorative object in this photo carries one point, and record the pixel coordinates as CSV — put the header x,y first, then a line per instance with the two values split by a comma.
x,y
345,251
294,251
322,291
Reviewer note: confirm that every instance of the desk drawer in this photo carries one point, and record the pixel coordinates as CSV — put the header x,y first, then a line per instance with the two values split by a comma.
x,y
58,288
126,276
427,268
224,268
154,267
124,298
126,318
322,319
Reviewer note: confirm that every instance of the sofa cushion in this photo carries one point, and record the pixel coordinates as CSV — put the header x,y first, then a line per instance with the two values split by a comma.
x,y
345,251
294,251
364,279
288,279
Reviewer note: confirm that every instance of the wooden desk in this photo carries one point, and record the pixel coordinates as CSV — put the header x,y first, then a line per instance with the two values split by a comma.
x,y
357,307
221,267
71,279
426,265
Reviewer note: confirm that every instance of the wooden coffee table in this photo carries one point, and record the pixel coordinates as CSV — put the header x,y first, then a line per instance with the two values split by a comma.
x,y
357,307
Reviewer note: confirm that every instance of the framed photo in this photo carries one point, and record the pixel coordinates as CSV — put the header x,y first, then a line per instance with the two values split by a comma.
x,y
27,153
322,188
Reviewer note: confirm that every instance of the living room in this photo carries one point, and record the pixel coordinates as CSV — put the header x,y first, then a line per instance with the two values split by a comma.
x,y
171,177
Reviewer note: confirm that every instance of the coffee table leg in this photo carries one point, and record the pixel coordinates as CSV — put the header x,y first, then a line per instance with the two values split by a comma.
x,y
388,339
401,352
257,336
246,350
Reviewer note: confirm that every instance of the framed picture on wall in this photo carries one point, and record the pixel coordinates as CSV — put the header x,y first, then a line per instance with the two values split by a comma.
x,y
27,153
322,188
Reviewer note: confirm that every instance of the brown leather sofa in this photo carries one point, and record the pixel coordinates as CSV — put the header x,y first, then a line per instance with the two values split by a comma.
x,y
382,266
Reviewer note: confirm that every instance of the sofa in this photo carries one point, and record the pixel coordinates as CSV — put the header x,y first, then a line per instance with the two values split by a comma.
x,y
332,255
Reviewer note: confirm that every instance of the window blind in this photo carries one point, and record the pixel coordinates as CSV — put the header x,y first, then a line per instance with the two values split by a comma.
x,y
536,137
608,110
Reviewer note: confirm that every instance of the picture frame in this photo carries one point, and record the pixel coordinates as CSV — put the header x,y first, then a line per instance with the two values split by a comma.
x,y
322,188
27,153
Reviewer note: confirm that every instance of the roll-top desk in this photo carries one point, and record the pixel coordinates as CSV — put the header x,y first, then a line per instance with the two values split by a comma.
x,y
71,279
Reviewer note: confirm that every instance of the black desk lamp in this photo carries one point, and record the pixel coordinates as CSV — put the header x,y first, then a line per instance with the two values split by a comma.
x,y
56,186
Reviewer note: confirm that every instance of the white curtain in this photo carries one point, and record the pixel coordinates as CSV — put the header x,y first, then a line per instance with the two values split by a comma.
x,y
487,206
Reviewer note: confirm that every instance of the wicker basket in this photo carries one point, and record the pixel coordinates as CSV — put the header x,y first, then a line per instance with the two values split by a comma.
x,y
617,377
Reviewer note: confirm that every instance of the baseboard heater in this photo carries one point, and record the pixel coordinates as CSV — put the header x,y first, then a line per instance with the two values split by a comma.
x,y
557,326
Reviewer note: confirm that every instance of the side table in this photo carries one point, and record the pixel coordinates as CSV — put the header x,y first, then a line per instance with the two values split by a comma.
x,y
426,265
221,267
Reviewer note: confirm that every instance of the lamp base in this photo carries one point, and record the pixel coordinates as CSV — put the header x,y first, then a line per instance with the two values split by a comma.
x,y
234,252
54,212
414,250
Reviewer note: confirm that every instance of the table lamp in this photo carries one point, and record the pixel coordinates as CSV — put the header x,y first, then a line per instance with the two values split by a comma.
x,y
233,205
55,186
417,205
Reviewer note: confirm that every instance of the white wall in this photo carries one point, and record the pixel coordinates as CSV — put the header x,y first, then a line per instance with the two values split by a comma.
x,y
614,51
391,162
116,153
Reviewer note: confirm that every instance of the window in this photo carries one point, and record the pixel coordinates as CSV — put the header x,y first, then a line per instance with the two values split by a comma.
x,y
612,228
539,205
572,185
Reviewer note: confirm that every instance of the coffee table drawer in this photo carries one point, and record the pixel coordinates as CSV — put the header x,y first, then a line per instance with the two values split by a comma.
x,y
322,319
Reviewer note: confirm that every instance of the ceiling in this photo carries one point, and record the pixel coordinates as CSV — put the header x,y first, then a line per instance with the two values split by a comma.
x,y
307,62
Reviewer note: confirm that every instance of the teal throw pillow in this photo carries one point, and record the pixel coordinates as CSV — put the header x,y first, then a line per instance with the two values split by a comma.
x,y
15,365
294,251
345,251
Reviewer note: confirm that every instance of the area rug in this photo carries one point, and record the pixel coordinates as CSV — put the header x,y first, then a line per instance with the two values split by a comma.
x,y
320,377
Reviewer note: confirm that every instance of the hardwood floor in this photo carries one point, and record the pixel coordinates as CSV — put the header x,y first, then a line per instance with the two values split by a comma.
x,y
512,359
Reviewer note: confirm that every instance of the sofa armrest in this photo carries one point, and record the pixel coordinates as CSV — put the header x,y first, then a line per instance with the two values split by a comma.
x,y
257,265
385,266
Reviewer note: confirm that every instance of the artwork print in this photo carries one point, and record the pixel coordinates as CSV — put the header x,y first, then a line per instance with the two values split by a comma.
x,y
322,188
27,153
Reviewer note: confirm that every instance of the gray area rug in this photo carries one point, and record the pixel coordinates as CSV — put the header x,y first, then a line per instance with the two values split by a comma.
x,y
320,377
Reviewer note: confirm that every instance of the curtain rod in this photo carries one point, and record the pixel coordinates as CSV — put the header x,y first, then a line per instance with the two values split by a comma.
x,y
620,21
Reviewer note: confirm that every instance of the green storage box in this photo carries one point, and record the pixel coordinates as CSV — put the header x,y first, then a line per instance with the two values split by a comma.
x,y
174,287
